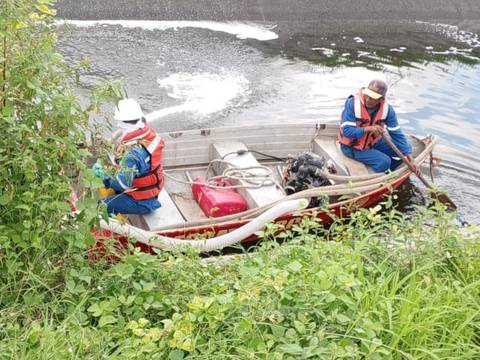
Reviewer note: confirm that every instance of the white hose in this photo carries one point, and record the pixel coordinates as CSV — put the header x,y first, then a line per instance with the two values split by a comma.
x,y
165,243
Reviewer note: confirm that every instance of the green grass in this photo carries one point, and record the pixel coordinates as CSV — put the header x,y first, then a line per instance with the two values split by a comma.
x,y
392,288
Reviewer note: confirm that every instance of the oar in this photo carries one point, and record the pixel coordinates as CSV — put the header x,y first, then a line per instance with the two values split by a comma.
x,y
442,197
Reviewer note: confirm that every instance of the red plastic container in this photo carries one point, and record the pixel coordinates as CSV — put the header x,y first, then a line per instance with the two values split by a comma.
x,y
217,202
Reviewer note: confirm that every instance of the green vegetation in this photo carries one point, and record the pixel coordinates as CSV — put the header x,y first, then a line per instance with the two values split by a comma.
x,y
41,124
383,287
380,286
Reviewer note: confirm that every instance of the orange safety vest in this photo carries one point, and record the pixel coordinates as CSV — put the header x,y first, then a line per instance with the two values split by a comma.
x,y
145,133
363,119
149,185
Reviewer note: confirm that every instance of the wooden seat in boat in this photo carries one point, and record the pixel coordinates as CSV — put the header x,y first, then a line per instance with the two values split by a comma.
x,y
330,148
168,214
254,196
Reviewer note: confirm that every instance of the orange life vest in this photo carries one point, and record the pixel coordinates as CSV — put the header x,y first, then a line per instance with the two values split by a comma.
x,y
149,185
363,119
145,133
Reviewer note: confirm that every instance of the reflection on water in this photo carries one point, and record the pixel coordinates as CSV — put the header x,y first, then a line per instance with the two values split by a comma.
x,y
195,77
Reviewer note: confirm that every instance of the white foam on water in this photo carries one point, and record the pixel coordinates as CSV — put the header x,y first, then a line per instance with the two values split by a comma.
x,y
400,49
326,51
202,94
455,51
364,53
242,30
453,32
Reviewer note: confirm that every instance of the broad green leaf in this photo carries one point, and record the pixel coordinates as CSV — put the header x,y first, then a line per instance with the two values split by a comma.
x,y
176,355
31,85
125,271
147,286
85,278
107,320
95,310
299,326
343,319
97,183
292,349
277,330
295,266
324,282
8,109
4,199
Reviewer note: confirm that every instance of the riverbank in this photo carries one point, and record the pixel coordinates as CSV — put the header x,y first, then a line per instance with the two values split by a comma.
x,y
377,286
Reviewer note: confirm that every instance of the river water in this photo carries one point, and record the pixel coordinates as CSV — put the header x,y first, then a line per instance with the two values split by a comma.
x,y
195,74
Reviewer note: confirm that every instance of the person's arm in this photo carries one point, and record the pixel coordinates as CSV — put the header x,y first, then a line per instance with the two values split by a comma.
x,y
124,178
396,133
398,137
348,124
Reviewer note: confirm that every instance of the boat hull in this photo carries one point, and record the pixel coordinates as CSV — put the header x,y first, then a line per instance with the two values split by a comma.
x,y
111,246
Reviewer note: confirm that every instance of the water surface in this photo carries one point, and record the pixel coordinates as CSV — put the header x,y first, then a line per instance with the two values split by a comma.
x,y
200,74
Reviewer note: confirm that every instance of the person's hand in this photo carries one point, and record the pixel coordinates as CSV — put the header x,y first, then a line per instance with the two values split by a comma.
x,y
98,170
415,168
374,130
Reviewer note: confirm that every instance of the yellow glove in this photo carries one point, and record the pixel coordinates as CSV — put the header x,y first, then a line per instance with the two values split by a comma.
x,y
104,192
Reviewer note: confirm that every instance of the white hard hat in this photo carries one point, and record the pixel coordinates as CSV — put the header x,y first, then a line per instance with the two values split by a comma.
x,y
128,110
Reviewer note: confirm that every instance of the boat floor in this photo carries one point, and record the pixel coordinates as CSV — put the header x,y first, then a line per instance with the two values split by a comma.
x,y
178,203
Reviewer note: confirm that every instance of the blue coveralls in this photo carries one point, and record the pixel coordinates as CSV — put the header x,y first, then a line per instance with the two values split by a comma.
x,y
135,163
380,157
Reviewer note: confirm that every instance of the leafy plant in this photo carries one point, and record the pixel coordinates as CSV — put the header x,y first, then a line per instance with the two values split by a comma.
x,y
41,156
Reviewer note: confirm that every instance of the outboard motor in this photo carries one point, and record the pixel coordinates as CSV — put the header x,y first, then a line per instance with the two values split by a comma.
x,y
305,172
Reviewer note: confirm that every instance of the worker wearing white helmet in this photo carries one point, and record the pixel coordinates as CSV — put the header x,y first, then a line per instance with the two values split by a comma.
x,y
140,177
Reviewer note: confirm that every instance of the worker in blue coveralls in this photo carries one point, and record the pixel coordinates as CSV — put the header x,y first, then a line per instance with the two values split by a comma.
x,y
364,119
139,179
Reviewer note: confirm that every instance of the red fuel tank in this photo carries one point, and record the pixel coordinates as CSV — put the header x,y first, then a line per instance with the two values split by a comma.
x,y
217,202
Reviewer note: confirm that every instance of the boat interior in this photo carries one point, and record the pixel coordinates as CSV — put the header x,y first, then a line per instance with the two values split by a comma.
x,y
205,154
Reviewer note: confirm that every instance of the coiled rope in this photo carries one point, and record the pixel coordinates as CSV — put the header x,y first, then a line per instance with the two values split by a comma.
x,y
242,177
